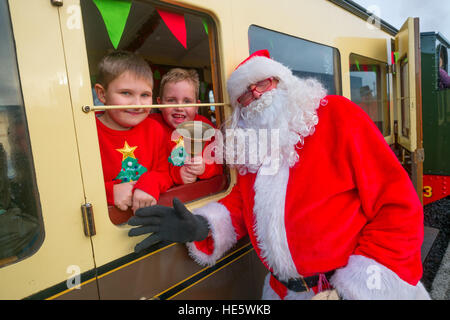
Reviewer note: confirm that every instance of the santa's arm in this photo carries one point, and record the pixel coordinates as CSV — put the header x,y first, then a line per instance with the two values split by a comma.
x,y
226,228
386,262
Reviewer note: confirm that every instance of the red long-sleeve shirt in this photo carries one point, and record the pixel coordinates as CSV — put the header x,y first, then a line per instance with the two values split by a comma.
x,y
145,144
211,170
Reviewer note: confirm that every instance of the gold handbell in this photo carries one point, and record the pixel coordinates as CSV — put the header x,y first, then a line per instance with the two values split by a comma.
x,y
195,135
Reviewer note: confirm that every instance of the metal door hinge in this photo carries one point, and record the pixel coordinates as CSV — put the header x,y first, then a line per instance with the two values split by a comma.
x,y
57,3
88,220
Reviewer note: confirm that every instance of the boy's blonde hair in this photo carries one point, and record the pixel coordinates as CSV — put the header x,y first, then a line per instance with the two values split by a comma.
x,y
115,63
177,75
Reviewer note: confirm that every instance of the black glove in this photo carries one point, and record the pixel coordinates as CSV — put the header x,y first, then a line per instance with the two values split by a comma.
x,y
175,224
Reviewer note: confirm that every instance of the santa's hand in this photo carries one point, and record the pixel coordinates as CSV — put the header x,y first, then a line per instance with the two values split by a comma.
x,y
175,224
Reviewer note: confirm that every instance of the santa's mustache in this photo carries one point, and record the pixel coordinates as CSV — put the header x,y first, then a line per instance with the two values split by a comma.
x,y
255,108
258,136
263,135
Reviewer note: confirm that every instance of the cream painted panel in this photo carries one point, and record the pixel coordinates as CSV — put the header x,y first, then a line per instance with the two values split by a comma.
x,y
49,114
405,45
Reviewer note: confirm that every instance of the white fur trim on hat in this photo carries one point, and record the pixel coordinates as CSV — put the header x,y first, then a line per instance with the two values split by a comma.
x,y
256,69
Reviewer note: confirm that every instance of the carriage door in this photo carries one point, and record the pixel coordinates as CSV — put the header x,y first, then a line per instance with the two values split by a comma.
x,y
408,101
44,253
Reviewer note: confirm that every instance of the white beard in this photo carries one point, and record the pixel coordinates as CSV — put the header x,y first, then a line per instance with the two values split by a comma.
x,y
267,133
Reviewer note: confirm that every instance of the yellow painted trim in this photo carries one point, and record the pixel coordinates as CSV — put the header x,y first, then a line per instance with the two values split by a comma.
x,y
150,254
68,290
111,271
240,256
134,261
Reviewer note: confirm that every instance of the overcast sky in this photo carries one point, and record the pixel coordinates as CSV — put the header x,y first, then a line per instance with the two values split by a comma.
x,y
434,14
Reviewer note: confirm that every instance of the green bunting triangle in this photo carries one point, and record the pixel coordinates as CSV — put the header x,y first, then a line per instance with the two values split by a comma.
x,y
205,26
115,15
396,56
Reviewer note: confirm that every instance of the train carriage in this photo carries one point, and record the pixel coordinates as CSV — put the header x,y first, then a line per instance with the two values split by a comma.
x,y
63,244
436,117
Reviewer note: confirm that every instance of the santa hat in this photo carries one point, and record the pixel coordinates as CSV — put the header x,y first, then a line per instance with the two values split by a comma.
x,y
258,66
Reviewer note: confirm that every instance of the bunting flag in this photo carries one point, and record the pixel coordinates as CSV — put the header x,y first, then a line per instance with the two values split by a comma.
x,y
363,67
157,75
205,25
395,56
176,24
115,15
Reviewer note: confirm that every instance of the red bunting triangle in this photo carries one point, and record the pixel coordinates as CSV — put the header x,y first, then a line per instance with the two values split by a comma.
x,y
176,24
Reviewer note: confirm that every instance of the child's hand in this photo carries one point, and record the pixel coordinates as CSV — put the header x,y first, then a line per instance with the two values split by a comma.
x,y
123,195
186,176
142,199
195,166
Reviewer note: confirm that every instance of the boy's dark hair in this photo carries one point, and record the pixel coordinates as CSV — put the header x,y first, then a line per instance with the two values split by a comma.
x,y
117,62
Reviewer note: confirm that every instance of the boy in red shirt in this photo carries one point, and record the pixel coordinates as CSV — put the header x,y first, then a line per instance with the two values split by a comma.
x,y
180,86
134,168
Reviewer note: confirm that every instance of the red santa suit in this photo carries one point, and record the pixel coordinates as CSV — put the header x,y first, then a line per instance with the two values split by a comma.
x,y
211,169
346,205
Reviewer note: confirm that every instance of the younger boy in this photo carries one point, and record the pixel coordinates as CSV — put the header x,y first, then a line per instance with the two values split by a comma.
x,y
134,168
180,86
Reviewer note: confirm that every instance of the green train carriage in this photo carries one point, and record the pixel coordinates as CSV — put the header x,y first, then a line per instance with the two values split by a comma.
x,y
436,118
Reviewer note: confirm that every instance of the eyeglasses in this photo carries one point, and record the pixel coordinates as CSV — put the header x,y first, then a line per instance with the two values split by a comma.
x,y
259,87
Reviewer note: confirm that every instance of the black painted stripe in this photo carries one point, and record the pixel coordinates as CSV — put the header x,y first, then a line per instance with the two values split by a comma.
x,y
92,274
200,276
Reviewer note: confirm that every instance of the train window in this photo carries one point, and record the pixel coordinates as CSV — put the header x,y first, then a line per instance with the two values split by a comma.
x,y
21,227
166,37
369,83
448,60
443,78
306,59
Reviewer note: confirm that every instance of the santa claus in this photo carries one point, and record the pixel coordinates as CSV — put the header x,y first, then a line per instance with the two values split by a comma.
x,y
327,206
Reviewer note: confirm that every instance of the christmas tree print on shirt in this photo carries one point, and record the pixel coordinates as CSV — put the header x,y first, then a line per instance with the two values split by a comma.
x,y
178,155
131,169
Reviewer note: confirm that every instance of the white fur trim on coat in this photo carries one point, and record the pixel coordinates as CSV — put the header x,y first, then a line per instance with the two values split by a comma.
x,y
222,231
270,229
365,279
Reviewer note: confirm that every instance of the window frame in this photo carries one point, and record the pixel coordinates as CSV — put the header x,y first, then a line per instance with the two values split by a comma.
x,y
220,186
337,72
383,81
